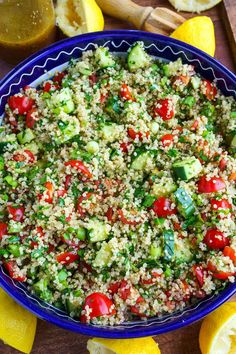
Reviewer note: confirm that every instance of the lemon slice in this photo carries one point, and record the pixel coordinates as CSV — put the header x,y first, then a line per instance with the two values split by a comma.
x,y
145,345
79,16
17,326
194,5
199,32
218,331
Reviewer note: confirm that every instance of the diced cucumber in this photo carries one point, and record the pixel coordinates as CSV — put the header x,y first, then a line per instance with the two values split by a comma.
x,y
233,142
97,230
187,168
11,181
164,187
185,204
92,147
111,132
103,256
25,136
104,58
73,305
2,163
14,250
62,275
169,244
148,200
189,101
81,233
233,115
141,161
62,100
155,252
70,129
41,289
137,57
8,139
83,68
14,227
195,81
183,252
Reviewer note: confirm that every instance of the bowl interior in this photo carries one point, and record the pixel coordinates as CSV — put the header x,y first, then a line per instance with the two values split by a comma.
x,y
41,66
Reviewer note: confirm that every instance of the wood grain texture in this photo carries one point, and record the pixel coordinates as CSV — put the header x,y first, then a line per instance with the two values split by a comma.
x,y
53,340
228,10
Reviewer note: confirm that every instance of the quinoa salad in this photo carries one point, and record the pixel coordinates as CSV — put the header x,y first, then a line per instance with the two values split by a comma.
x,y
118,187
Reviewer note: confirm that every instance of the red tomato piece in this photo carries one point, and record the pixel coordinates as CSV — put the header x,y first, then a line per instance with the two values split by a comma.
x,y
162,207
114,287
30,118
211,90
40,231
215,239
47,87
124,290
135,310
125,93
3,229
133,134
20,103
67,257
68,181
167,139
220,204
218,274
78,165
16,213
59,77
210,185
21,157
10,266
222,164
195,125
83,197
124,220
103,97
125,147
198,272
164,108
99,305
110,214
93,79
229,252
61,192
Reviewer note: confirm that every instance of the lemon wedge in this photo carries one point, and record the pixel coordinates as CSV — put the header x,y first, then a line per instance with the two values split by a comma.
x,y
79,16
145,345
194,5
218,331
199,32
17,326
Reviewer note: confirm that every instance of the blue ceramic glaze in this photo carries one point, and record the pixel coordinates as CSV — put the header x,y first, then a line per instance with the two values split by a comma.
x,y
32,71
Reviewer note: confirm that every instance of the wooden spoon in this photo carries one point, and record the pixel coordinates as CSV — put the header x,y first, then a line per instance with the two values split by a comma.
x,y
160,20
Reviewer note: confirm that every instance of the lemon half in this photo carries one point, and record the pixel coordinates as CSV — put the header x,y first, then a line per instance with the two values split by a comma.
x,y
79,16
199,32
145,345
218,331
17,326
194,5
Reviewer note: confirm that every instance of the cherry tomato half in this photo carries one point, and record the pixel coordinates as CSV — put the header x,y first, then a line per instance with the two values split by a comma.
x,y
162,207
220,204
211,90
164,108
22,103
215,239
99,305
210,185
198,272
10,266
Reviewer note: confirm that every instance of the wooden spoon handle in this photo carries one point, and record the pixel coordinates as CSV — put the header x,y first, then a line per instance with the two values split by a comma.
x,y
126,10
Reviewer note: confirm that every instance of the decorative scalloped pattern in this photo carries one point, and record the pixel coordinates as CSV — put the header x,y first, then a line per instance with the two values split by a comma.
x,y
48,307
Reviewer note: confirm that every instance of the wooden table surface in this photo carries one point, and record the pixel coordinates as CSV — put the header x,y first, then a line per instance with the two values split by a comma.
x,y
51,339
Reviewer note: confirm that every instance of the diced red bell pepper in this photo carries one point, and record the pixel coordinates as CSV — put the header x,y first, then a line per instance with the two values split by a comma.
x,y
49,192
215,239
93,79
83,197
164,108
125,147
125,93
16,213
124,290
20,103
114,287
229,252
99,305
10,266
218,274
3,229
162,207
59,77
133,134
110,214
78,165
67,257
199,273
222,164
210,185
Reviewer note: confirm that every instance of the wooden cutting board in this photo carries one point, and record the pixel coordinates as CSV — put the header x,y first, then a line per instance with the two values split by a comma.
x,y
53,340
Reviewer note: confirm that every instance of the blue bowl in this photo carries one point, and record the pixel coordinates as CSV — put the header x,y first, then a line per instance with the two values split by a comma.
x,y
54,58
